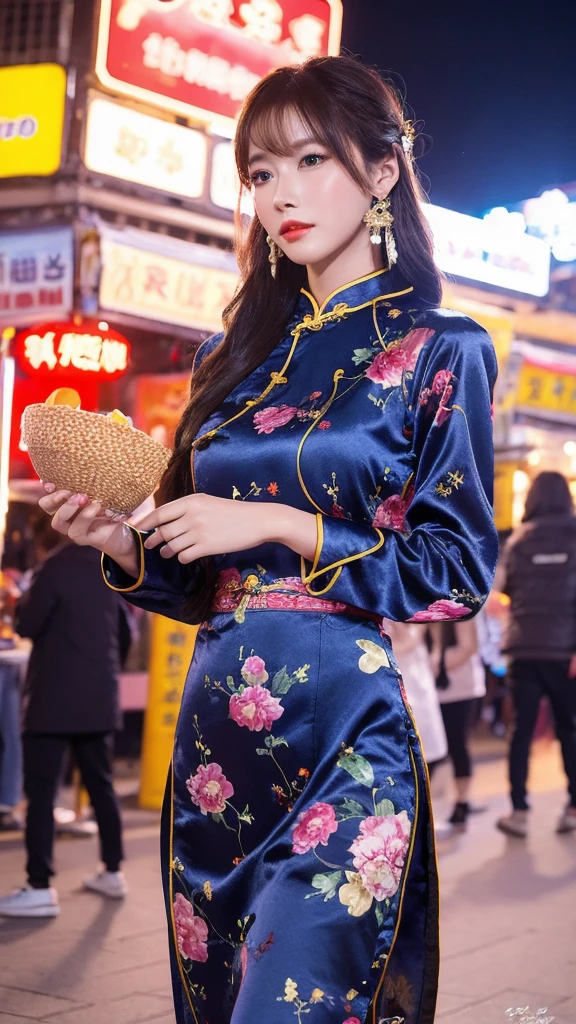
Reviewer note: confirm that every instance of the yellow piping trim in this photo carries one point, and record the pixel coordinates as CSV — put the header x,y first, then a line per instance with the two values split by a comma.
x,y
127,590
407,485
337,377
343,287
319,544
403,890
275,378
319,593
171,895
352,558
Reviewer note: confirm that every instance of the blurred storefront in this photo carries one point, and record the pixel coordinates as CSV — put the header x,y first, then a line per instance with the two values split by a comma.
x,y
118,193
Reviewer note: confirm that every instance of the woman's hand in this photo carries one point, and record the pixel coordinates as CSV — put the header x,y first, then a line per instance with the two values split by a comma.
x,y
87,523
200,525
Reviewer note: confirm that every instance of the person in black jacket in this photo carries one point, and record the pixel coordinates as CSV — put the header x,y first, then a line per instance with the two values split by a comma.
x,y
540,579
70,700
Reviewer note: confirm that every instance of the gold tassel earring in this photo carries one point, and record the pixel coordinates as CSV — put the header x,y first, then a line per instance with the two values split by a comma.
x,y
274,255
378,217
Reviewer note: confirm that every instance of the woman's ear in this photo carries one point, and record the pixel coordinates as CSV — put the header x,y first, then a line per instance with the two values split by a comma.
x,y
384,175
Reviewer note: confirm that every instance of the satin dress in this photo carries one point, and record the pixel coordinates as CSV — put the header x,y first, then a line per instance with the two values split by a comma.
x,y
298,852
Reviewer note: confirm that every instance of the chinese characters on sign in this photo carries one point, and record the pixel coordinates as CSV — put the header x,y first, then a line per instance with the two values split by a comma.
x,y
69,350
202,57
174,285
36,275
32,106
171,647
547,391
132,146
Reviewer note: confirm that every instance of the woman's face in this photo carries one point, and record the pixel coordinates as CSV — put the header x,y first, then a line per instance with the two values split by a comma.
x,y
307,202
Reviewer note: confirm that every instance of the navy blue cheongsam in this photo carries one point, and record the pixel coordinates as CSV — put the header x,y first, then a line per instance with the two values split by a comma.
x,y
299,865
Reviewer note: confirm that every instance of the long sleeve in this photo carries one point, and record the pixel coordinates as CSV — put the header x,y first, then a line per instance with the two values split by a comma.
x,y
163,585
440,564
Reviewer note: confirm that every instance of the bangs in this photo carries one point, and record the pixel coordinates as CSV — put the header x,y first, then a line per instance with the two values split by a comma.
x,y
267,123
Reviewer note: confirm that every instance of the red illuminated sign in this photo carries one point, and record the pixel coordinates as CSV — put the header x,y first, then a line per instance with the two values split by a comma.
x,y
70,350
201,58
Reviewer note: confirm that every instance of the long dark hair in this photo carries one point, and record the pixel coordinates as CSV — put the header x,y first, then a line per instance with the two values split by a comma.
x,y
549,495
348,108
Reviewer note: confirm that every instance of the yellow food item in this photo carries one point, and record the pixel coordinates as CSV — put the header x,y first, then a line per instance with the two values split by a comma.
x,y
64,396
118,417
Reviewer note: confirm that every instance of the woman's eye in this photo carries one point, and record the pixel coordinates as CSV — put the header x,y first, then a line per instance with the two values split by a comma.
x,y
313,159
260,177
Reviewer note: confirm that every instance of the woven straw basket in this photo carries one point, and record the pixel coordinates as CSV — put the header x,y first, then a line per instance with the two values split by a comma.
x,y
87,453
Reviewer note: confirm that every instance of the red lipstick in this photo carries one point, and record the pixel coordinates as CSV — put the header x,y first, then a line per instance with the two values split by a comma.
x,y
292,230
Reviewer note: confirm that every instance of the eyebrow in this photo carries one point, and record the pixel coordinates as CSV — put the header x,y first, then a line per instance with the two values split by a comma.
x,y
296,145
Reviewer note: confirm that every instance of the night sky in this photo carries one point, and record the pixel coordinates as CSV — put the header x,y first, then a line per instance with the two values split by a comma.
x,y
494,84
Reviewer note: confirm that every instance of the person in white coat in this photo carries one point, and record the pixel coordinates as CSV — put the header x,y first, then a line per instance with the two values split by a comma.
x,y
409,642
460,681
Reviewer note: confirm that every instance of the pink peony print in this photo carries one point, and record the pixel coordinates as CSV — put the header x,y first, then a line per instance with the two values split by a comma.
x,y
391,512
351,1020
324,425
210,789
441,610
379,853
314,826
399,358
274,416
255,708
254,671
191,931
441,381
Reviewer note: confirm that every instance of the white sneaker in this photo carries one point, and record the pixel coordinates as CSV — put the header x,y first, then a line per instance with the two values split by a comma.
x,y
514,824
567,822
31,903
107,883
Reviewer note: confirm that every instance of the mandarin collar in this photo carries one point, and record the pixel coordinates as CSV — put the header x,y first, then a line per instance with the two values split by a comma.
x,y
380,284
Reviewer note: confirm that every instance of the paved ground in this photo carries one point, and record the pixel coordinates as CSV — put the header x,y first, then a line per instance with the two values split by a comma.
x,y
509,932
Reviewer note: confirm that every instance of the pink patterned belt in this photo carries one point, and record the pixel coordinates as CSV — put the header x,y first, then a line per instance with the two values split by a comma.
x,y
289,594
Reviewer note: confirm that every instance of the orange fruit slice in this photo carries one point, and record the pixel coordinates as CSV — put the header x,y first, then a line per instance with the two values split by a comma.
x,y
118,417
64,396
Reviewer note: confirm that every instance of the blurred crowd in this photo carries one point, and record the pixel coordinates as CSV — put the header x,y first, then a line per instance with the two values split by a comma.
x,y
508,673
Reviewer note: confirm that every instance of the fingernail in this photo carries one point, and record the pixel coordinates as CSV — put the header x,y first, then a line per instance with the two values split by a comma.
x,y
81,499
50,488
109,513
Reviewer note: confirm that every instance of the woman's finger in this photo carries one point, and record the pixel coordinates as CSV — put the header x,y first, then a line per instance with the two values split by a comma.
x,y
178,544
68,511
81,523
165,533
52,502
163,514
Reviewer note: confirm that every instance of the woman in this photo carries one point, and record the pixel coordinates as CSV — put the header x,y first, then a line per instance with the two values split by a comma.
x,y
460,679
539,568
341,472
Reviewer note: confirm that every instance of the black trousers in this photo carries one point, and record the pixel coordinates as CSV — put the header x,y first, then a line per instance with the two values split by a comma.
x,y
458,715
532,680
43,756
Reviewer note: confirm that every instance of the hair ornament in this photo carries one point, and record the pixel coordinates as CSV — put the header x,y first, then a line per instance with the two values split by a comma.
x,y
407,138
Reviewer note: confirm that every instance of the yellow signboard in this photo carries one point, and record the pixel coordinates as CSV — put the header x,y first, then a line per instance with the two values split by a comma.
x,y
32,105
172,644
551,390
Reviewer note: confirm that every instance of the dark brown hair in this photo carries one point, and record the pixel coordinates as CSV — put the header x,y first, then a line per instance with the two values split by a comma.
x,y
549,495
348,109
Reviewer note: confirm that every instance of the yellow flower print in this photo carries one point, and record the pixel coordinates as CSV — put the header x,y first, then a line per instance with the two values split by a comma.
x,y
354,896
290,991
393,313
317,996
207,890
374,658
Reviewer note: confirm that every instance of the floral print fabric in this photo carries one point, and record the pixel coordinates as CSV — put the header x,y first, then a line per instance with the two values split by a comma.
x,y
299,868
